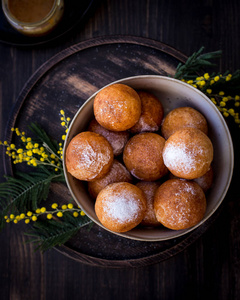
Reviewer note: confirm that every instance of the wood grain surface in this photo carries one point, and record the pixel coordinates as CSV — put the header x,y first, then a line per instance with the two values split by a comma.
x,y
205,268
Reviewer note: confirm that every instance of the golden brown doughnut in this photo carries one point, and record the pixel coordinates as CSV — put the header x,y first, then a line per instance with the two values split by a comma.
x,y
89,156
117,173
151,116
188,153
149,189
117,107
142,156
179,204
117,139
120,206
183,117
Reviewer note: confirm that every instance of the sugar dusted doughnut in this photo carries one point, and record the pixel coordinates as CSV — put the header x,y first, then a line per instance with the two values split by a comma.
x,y
120,206
117,173
188,153
179,204
142,156
117,107
183,117
149,189
151,116
89,156
117,139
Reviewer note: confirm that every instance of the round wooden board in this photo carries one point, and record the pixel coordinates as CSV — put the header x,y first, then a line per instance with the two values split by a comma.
x,y
65,82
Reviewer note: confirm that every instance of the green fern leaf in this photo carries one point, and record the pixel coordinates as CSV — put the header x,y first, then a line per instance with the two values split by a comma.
x,y
48,234
24,192
195,63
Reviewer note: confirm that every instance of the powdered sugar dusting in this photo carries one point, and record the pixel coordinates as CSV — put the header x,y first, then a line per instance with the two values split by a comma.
x,y
189,188
182,208
181,215
121,208
145,127
178,156
90,160
184,187
112,110
89,156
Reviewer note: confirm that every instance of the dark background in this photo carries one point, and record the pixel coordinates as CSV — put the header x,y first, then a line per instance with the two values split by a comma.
x,y
207,269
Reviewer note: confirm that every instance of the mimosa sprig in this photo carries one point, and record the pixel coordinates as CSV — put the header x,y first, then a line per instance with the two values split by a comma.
x,y
223,89
21,195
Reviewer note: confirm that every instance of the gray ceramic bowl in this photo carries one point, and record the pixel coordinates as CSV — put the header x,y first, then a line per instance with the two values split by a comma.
x,y
172,93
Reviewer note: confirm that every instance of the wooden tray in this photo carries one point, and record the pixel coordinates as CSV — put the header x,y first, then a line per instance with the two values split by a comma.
x,y
65,82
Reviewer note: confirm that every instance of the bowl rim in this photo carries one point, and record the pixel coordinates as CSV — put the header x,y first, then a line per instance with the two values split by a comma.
x,y
178,233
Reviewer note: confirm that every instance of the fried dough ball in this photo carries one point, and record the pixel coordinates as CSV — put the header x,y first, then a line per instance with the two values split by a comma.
x,y
117,173
179,204
89,156
117,139
142,156
151,116
149,189
183,117
120,206
117,107
188,153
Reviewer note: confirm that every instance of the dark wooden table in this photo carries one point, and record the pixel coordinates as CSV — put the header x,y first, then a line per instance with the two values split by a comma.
x,y
209,268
